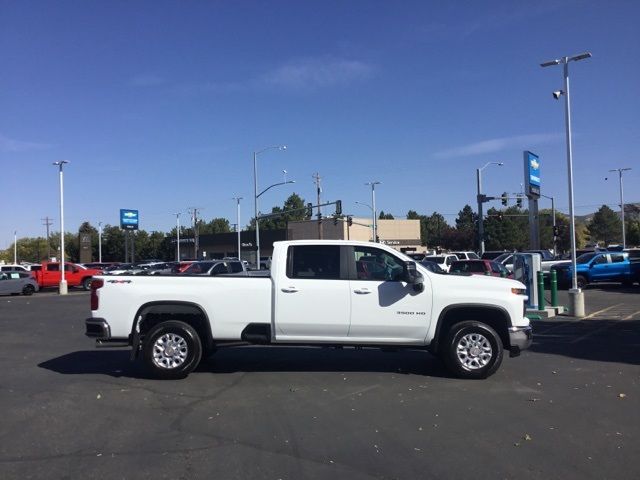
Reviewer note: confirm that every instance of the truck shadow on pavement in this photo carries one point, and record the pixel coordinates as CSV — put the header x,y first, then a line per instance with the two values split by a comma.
x,y
251,358
601,340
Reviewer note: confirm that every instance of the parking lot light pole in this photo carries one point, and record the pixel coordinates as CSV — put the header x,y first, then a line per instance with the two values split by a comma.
x,y
238,229
620,170
63,283
373,207
576,295
15,247
177,214
100,242
480,204
255,195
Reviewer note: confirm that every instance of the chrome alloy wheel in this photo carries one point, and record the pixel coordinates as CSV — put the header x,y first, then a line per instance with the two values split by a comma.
x,y
474,351
170,351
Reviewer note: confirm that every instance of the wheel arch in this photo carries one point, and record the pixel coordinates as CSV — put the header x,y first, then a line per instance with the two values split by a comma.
x,y
495,316
152,313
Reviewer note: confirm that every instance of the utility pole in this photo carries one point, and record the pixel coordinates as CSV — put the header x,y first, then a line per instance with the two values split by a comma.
x,y
177,214
317,179
194,224
48,222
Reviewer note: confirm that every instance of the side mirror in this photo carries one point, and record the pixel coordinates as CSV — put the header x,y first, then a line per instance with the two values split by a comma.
x,y
413,277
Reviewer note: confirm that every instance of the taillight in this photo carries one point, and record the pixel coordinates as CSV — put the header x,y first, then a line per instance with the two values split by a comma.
x,y
96,283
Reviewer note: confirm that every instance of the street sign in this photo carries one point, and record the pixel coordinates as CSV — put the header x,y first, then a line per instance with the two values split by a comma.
x,y
128,219
531,174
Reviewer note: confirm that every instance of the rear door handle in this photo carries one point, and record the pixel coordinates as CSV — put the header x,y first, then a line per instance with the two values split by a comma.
x,y
289,289
362,291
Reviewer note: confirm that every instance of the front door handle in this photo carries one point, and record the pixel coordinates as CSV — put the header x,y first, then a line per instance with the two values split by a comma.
x,y
362,291
289,289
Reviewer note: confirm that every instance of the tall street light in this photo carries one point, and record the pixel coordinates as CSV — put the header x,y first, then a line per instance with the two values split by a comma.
x,y
255,194
373,207
481,201
370,208
576,296
100,242
15,247
620,170
63,283
238,229
177,214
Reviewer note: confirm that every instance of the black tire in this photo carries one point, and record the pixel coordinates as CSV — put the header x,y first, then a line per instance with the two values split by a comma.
x,y
466,365
86,283
28,290
582,281
180,359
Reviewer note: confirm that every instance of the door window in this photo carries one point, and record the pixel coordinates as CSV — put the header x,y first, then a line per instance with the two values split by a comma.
x,y
218,269
53,267
376,264
314,262
617,258
600,260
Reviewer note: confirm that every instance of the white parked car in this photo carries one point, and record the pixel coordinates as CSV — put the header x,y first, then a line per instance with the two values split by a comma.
x,y
466,255
13,268
444,261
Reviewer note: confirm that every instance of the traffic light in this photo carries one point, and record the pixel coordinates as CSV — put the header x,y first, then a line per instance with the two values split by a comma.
x,y
504,199
349,221
338,207
519,202
309,210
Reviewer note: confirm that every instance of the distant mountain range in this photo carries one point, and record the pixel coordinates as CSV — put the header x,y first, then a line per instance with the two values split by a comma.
x,y
629,209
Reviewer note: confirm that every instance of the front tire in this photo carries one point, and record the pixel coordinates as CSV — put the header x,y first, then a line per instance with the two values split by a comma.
x,y
581,282
172,350
472,350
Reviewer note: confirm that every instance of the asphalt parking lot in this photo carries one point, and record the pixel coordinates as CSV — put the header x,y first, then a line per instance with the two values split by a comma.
x,y
567,408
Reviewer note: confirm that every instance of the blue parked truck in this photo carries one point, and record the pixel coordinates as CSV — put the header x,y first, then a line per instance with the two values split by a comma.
x,y
596,267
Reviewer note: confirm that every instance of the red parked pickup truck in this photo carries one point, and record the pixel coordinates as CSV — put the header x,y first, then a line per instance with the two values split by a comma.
x,y
49,275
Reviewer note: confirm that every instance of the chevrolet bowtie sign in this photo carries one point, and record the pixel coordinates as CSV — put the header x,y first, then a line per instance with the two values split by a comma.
x,y
532,175
128,219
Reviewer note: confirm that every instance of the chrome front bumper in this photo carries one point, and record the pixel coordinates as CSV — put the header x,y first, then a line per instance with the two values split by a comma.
x,y
520,338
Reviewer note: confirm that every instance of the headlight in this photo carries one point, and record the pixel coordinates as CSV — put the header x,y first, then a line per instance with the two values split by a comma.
x,y
519,291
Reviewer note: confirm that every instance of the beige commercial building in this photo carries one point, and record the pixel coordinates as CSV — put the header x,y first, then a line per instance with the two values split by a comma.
x,y
403,235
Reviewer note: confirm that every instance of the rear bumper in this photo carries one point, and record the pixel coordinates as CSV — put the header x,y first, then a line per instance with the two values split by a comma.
x,y
520,338
97,328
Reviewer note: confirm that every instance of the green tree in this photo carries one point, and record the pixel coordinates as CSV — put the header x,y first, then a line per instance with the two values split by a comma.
x,y
385,216
632,231
464,236
216,225
605,226
292,210
506,229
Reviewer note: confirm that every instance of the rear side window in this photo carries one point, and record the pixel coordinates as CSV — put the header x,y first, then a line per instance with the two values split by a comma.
x,y
314,262
53,267
616,258
235,267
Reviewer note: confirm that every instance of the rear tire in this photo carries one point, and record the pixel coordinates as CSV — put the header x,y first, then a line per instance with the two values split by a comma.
x,y
472,350
28,290
86,283
172,350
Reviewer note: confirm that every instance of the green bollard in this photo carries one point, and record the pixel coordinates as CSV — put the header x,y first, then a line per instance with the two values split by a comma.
x,y
554,288
541,291
487,273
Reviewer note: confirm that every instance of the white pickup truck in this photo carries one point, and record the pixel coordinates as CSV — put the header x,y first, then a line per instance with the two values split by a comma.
x,y
318,293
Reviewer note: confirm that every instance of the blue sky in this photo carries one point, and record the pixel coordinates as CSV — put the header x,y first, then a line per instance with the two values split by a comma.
x,y
159,104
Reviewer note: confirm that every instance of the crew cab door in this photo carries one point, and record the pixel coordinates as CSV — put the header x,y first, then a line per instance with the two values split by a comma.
x,y
312,300
600,268
383,307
